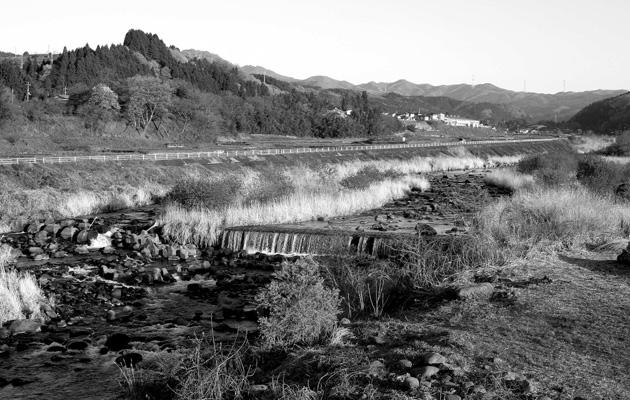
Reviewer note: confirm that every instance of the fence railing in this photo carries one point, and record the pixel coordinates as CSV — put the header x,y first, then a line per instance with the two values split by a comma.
x,y
236,153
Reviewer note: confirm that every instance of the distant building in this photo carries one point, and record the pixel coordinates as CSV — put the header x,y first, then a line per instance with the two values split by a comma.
x,y
459,121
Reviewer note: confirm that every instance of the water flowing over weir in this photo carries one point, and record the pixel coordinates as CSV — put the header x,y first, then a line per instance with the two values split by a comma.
x,y
281,240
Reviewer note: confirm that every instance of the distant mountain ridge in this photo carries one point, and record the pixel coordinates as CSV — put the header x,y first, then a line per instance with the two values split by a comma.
x,y
537,106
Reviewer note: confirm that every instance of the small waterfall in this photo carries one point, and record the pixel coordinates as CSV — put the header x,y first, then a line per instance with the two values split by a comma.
x,y
277,240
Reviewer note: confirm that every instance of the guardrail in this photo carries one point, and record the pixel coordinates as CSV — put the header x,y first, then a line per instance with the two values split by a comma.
x,y
236,153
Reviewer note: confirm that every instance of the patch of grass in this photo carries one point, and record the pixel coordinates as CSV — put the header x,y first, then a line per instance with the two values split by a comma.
x,y
366,176
509,179
302,310
550,169
206,193
601,176
203,226
551,219
20,294
368,287
432,262
214,371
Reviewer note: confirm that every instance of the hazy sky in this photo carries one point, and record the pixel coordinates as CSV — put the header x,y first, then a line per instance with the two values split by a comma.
x,y
503,42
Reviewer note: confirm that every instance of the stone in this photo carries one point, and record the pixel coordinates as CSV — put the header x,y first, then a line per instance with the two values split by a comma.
x,y
411,383
35,250
129,360
41,237
452,397
78,345
404,364
81,250
476,291
56,347
48,310
425,230
257,389
377,369
432,359
68,232
116,294
424,372
20,326
117,341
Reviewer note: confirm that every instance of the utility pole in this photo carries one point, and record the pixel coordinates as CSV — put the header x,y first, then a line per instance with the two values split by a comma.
x,y
564,85
473,81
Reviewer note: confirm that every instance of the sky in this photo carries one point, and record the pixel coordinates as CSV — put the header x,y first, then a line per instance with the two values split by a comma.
x,y
544,46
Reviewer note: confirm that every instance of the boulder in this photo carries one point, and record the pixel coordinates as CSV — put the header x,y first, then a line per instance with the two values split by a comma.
x,y
117,341
411,383
432,359
425,230
424,372
68,232
20,326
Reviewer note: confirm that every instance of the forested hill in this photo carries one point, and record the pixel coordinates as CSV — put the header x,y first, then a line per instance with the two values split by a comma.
x,y
159,91
605,116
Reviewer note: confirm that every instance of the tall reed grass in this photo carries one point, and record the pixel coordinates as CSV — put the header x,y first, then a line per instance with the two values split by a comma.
x,y
318,193
203,226
20,295
554,218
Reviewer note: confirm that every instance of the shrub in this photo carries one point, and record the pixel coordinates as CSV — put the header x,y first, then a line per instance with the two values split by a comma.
x,y
270,186
301,309
204,193
367,176
601,176
620,148
20,295
550,169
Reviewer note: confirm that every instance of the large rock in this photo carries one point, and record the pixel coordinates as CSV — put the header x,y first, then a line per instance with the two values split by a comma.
x,y
477,291
424,372
425,230
117,341
20,326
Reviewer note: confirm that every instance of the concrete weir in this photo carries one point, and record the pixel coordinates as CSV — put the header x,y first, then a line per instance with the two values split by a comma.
x,y
285,240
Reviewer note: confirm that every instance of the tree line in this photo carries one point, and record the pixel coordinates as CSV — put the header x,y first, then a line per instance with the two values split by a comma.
x,y
143,87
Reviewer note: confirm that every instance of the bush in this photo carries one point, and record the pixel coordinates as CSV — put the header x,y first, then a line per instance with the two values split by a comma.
x,y
550,169
601,176
271,185
203,193
367,176
301,309
620,148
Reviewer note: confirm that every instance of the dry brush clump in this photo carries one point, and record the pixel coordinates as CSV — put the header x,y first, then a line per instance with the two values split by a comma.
x,y
301,309
509,179
554,219
20,294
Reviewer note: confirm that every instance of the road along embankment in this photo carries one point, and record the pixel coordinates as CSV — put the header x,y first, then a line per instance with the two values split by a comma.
x,y
222,156
374,153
